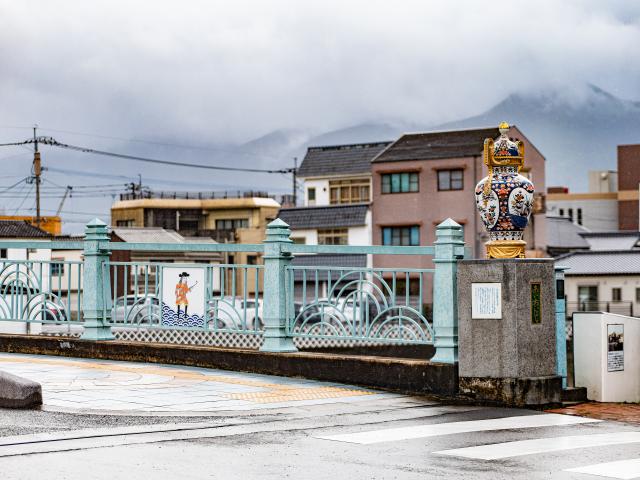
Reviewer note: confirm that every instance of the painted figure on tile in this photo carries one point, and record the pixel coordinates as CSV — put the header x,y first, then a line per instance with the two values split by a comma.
x,y
504,197
182,289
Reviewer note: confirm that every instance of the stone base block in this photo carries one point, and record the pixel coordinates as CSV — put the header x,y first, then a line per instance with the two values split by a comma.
x,y
513,392
18,392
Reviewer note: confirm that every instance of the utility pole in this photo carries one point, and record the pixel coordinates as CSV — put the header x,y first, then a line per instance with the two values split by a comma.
x,y
295,186
37,171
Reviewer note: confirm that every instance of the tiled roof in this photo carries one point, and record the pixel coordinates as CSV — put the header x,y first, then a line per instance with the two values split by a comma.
x,y
563,233
623,240
601,262
339,159
325,217
20,229
326,260
434,145
148,235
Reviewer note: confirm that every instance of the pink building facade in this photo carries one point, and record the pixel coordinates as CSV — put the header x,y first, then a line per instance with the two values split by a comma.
x,y
421,179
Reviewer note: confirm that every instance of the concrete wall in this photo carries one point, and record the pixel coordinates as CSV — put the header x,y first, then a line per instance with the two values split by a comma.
x,y
599,210
590,349
513,346
322,192
628,284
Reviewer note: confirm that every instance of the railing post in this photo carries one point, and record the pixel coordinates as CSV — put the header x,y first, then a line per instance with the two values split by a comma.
x,y
445,298
275,295
96,299
561,327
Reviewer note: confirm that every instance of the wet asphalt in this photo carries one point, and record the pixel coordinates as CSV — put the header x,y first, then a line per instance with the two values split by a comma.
x,y
284,443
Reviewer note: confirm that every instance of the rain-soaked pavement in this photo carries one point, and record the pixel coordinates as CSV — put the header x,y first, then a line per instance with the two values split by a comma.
x,y
111,420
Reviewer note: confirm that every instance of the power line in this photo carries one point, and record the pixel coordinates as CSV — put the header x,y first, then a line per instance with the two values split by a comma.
x,y
88,173
54,143
5,189
15,143
23,200
162,144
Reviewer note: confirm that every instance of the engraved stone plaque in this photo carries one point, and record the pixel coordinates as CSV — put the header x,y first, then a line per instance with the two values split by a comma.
x,y
486,301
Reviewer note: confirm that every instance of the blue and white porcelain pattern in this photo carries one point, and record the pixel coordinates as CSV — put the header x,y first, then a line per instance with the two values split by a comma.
x,y
507,206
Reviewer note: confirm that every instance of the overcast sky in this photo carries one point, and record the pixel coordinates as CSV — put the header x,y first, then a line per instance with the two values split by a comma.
x,y
204,72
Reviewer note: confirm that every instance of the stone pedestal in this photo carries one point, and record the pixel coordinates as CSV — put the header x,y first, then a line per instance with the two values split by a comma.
x,y
507,333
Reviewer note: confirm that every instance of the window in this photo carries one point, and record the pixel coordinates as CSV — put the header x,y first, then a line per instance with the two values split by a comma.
x,y
637,294
252,259
405,236
400,182
562,212
333,236
125,223
588,298
299,240
57,269
232,223
349,191
311,195
616,294
401,286
579,212
3,253
571,214
450,179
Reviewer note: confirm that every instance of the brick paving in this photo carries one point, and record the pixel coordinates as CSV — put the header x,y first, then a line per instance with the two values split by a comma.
x,y
100,385
619,412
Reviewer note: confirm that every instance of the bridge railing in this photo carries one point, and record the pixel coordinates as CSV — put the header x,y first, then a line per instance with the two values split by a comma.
x,y
276,306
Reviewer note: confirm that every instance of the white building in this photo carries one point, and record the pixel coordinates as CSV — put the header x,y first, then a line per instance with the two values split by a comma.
x,y
596,210
606,277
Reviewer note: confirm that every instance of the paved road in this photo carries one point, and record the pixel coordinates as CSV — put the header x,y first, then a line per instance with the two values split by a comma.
x,y
349,433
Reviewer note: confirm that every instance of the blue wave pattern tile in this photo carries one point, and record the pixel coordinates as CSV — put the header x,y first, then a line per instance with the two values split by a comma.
x,y
170,318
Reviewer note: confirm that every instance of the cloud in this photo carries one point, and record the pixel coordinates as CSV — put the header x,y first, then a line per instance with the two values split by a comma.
x,y
230,71
217,73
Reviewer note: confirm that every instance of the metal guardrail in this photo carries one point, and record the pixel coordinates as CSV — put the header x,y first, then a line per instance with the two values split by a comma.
x,y
363,304
618,307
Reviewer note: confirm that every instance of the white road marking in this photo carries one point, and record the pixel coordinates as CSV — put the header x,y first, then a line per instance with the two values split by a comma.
x,y
623,469
495,451
433,430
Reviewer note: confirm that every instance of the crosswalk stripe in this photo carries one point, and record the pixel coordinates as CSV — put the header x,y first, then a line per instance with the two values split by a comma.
x,y
495,451
438,429
623,469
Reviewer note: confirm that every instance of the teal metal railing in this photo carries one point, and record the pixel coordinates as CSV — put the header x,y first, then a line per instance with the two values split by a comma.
x,y
277,300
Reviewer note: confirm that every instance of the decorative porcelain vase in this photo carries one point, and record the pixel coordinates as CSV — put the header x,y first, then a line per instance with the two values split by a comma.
x,y
504,197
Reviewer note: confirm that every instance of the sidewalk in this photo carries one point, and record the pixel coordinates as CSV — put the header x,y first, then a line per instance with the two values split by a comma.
x,y
83,385
619,412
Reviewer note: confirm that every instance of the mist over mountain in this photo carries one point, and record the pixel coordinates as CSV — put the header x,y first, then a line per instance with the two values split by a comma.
x,y
575,129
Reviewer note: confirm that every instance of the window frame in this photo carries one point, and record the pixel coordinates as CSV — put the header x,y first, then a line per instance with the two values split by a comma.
x,y
450,179
401,236
334,233
236,223
616,292
398,178
349,191
311,195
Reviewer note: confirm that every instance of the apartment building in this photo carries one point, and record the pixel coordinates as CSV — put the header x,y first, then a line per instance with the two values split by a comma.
x,y
230,218
337,197
595,210
422,178
628,186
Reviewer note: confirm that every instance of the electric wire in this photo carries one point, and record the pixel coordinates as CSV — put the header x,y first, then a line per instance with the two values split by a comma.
x,y
54,143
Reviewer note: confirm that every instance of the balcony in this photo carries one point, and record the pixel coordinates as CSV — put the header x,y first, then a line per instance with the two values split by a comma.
x,y
617,307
